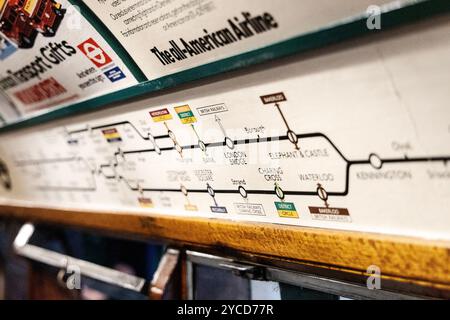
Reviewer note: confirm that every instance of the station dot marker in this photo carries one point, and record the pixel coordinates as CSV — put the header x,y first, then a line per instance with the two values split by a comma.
x,y
243,192
211,191
229,143
184,190
279,192
375,161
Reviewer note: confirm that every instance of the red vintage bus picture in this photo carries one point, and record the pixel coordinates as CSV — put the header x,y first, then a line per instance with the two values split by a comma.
x,y
22,20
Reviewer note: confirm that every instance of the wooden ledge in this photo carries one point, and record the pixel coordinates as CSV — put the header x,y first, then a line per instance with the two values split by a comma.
x,y
416,261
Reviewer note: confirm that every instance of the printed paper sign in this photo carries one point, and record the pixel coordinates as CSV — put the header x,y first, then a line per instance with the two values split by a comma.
x,y
185,114
161,115
51,56
165,37
112,135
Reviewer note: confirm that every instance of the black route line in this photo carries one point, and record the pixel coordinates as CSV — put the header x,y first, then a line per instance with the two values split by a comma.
x,y
239,142
27,163
121,123
67,189
349,164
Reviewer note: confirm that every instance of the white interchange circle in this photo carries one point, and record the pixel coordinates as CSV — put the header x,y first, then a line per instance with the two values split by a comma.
x,y
211,191
202,145
172,136
155,145
292,136
184,190
178,148
243,192
229,143
322,193
279,192
375,161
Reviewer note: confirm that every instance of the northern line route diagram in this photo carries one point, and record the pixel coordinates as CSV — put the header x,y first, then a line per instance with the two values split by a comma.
x,y
168,146
373,159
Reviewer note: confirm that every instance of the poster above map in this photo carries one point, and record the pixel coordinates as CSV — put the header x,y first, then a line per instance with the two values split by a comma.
x,y
50,56
56,53
168,36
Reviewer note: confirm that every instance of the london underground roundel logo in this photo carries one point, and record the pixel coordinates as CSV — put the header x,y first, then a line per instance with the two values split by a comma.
x,y
94,52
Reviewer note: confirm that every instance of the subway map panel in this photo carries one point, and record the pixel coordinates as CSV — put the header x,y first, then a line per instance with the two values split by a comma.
x,y
355,137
